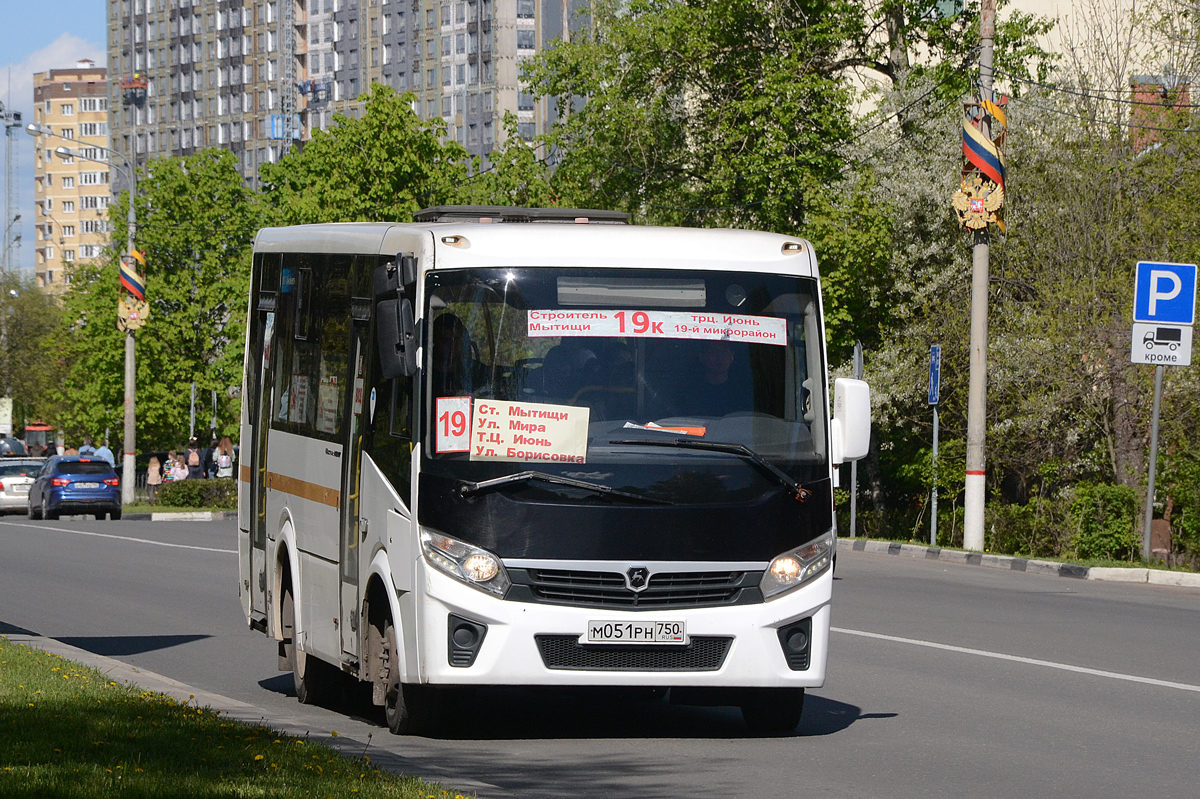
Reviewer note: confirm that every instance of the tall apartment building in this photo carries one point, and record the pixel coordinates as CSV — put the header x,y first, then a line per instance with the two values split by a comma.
x,y
191,74
71,194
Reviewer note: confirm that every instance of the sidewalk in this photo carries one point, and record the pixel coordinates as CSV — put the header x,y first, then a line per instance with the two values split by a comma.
x,y
1009,563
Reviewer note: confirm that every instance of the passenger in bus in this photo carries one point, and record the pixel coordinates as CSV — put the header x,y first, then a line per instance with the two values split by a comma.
x,y
456,371
569,367
714,390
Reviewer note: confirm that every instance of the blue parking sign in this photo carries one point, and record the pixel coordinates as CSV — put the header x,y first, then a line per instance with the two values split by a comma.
x,y
1165,293
935,374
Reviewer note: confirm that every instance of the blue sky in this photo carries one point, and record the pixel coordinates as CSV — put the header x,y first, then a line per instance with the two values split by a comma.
x,y
36,36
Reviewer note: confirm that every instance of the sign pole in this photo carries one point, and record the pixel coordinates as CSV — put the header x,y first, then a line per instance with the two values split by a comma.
x,y
935,396
1158,381
1164,310
933,502
858,372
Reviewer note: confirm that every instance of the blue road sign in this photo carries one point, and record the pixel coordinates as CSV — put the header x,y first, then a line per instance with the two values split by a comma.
x,y
1165,293
935,373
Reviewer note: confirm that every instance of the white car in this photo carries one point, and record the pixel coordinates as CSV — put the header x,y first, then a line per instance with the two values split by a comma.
x,y
16,475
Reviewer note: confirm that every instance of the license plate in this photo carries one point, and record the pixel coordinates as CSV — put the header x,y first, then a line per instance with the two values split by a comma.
x,y
87,485
21,489
635,632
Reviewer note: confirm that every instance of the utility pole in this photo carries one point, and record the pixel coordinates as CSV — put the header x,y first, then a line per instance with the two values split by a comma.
x,y
977,386
11,120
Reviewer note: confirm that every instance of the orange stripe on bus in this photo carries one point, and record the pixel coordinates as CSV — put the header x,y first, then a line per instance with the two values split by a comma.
x,y
244,473
304,489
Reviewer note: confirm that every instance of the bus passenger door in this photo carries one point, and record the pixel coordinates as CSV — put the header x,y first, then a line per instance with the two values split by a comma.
x,y
260,417
351,492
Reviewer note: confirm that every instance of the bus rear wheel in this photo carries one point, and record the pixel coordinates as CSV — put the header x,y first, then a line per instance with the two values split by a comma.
x,y
314,679
772,709
409,709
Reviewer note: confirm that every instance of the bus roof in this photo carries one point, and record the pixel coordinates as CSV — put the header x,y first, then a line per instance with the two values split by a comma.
x,y
473,245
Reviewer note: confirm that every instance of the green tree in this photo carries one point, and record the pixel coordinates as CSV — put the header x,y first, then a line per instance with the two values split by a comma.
x,y
384,165
702,113
196,223
517,176
29,364
902,41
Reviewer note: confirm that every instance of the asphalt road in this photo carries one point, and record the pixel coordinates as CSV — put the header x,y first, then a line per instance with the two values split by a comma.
x,y
945,680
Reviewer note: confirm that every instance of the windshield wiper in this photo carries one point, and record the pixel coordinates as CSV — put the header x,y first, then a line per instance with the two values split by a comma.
x,y
520,477
799,492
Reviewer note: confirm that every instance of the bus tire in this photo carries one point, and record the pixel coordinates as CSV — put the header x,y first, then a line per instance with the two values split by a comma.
x,y
409,709
313,678
772,709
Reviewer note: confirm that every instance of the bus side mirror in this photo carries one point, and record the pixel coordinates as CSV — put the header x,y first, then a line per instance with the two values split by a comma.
x,y
395,330
396,335
850,429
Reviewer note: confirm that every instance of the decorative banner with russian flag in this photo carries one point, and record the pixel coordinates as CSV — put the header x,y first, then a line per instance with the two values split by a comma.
x,y
979,199
982,153
131,281
132,308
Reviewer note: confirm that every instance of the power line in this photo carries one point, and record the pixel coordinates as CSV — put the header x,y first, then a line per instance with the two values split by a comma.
x,y
1121,100
1098,121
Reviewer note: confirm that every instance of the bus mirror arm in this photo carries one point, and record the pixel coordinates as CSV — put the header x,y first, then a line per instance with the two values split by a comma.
x,y
396,279
396,334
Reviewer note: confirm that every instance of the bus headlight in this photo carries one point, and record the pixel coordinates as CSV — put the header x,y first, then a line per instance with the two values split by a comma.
x,y
474,566
793,569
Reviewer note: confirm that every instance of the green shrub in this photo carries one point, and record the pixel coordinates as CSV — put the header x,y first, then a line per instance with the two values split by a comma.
x,y
217,493
1038,529
1104,518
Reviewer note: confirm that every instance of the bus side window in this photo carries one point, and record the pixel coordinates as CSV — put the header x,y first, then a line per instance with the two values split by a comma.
x,y
389,435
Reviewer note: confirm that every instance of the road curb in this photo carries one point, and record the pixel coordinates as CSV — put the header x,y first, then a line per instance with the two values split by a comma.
x,y
182,516
1030,566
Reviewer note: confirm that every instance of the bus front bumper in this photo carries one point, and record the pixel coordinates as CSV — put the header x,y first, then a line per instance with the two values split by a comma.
x,y
536,644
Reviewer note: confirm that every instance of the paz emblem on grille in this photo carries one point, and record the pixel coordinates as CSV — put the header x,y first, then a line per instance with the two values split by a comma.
x,y
637,579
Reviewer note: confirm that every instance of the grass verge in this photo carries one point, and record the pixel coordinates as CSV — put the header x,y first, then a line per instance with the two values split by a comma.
x,y
143,507
68,731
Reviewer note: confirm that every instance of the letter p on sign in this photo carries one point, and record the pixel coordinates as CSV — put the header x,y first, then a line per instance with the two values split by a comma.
x,y
1165,293
1157,278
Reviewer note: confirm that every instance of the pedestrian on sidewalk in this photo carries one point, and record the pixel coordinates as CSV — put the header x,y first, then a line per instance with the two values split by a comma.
x,y
154,479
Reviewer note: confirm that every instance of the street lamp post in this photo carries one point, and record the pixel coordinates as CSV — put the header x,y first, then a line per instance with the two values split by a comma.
x,y
128,467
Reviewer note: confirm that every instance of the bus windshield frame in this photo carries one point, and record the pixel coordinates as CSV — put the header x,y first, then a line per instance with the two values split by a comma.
x,y
689,369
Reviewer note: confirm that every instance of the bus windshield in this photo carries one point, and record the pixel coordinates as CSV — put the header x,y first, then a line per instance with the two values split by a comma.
x,y
629,380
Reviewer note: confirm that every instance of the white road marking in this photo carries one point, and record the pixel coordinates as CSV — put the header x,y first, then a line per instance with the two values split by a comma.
x,y
120,537
1017,659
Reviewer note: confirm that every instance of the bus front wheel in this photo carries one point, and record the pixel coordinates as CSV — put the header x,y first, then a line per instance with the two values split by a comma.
x,y
410,709
772,709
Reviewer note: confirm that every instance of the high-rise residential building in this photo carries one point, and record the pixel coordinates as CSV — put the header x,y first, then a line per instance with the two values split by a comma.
x,y
245,74
71,194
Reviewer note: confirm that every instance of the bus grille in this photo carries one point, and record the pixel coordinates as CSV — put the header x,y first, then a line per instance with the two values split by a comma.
x,y
608,589
565,652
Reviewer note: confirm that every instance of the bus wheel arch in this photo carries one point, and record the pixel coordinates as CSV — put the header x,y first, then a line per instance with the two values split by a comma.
x,y
408,708
315,681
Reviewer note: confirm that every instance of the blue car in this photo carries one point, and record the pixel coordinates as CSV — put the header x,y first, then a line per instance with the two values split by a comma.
x,y
75,485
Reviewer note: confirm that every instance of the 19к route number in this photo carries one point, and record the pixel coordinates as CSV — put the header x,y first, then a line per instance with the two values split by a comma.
x,y
635,632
